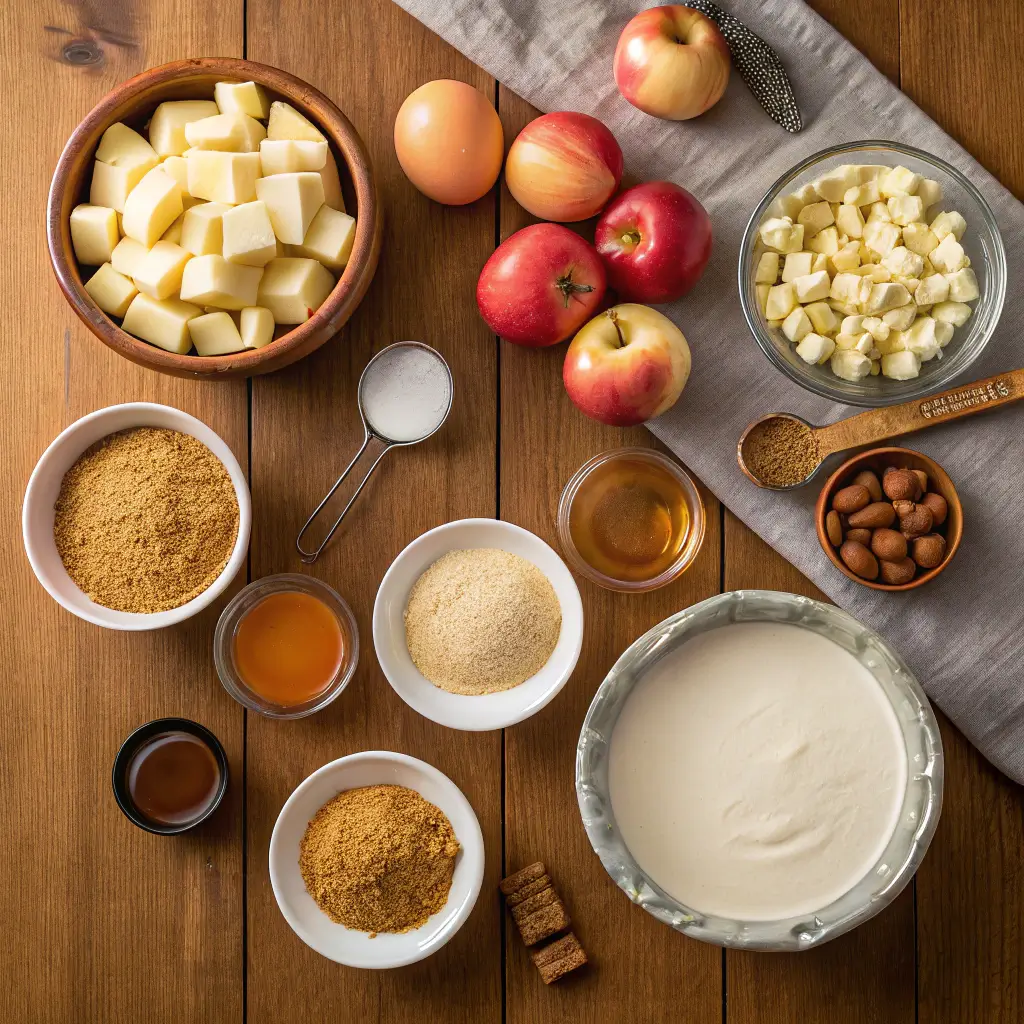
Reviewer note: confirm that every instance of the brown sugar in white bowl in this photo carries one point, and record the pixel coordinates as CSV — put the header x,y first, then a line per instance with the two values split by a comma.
x,y
132,102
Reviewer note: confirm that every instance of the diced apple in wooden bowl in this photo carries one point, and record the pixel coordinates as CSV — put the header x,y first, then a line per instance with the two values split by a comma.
x,y
214,217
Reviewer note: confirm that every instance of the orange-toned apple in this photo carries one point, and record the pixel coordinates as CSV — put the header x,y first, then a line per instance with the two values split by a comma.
x,y
564,166
672,62
627,365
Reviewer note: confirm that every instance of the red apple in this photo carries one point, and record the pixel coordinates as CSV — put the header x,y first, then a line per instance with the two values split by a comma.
x,y
626,366
564,166
672,62
655,240
540,285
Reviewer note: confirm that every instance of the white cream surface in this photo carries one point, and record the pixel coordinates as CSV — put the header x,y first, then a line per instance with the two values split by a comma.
x,y
757,772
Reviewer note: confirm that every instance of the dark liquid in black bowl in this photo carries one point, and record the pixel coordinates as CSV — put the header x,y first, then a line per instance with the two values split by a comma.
x,y
173,778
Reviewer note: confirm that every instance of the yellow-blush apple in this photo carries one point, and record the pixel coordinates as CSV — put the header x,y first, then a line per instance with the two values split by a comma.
x,y
672,62
627,365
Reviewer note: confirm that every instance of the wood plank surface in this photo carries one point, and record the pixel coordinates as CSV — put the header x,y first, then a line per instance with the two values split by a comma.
x,y
103,921
305,426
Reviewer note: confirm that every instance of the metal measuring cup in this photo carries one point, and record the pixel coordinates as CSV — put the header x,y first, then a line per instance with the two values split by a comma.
x,y
373,433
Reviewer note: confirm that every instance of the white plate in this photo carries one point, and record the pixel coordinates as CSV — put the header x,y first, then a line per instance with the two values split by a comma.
x,y
310,923
492,710
44,486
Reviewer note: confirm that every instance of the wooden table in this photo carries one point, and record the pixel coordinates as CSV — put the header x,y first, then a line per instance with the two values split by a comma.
x,y
105,923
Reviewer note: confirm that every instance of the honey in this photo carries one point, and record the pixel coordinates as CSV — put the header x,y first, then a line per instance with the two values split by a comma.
x,y
289,648
630,518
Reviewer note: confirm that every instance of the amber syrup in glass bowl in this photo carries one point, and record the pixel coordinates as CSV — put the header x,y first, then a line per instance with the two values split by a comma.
x,y
631,519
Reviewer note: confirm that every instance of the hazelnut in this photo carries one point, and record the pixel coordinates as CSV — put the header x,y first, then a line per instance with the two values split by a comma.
x,y
851,499
859,560
915,521
861,536
895,574
878,513
834,528
866,478
930,550
937,503
889,545
900,484
922,479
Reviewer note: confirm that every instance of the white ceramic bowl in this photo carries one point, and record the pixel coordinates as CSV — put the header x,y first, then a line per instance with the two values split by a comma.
x,y
492,710
44,486
311,924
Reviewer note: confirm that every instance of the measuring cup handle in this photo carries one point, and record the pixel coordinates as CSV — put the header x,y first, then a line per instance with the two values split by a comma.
x,y
311,556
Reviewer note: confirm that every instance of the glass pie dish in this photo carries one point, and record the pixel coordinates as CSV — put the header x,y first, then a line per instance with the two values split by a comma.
x,y
981,242
919,811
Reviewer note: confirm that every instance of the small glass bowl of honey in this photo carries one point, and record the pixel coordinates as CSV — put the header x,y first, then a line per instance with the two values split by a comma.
x,y
631,520
286,645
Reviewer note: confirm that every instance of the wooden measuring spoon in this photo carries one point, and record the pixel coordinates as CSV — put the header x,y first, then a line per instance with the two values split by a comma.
x,y
891,421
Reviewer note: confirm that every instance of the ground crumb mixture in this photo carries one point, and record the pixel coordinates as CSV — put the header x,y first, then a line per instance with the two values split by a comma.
x,y
146,520
379,859
781,451
481,620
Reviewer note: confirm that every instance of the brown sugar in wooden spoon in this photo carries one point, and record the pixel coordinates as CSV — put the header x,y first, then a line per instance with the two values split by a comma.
x,y
781,451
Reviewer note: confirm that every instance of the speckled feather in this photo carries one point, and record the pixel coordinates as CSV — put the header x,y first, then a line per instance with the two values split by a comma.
x,y
759,66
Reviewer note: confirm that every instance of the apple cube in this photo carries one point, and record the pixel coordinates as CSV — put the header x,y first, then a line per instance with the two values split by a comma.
x,y
921,340
248,235
287,123
862,195
955,313
930,192
879,211
329,238
949,224
834,185
173,233
963,285
242,98
223,177
762,291
814,348
787,207
948,256
292,200
932,289
284,156
881,237
826,242
159,274
850,221
177,168
256,326
227,133
93,233
797,265
846,260
905,210
871,172
213,281
878,329
781,301
903,262
111,183
849,364
943,333
782,235
767,271
202,230
920,238
796,326
852,324
293,289
884,297
812,287
815,217
900,181
215,334
111,291
127,256
822,318
332,184
167,126
901,318
846,289
122,146
163,323
902,365
152,207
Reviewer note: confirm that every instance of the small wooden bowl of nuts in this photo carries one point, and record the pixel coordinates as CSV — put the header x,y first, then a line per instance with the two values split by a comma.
x,y
890,519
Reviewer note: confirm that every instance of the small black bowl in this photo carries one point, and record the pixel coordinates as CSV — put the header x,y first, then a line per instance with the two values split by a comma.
x,y
119,776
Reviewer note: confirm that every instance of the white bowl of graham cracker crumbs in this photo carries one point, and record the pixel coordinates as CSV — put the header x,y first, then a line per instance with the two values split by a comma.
x,y
348,945
484,710
44,488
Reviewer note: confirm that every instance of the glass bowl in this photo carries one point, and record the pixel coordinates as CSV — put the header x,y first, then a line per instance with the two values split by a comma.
x,y
919,812
691,545
243,602
981,242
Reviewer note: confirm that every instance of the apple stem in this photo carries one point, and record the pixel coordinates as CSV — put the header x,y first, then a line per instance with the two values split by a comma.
x,y
568,287
614,317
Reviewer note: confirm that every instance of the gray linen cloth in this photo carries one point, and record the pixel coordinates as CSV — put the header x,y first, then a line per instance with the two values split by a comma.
x,y
963,634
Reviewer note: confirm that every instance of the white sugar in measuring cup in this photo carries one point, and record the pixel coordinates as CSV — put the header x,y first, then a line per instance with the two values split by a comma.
x,y
405,395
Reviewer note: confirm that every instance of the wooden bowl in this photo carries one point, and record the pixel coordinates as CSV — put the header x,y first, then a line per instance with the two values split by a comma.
x,y
133,102
877,459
